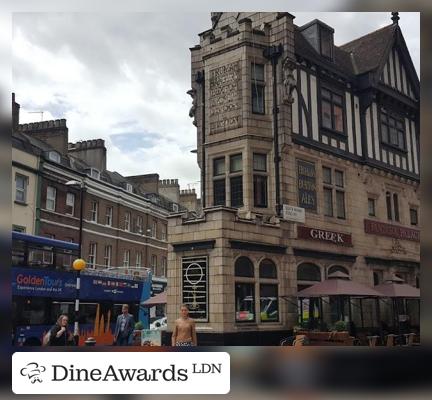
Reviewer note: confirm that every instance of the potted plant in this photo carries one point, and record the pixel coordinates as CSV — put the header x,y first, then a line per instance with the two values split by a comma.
x,y
340,326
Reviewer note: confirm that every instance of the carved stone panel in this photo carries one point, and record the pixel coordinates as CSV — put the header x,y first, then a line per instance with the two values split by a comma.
x,y
225,99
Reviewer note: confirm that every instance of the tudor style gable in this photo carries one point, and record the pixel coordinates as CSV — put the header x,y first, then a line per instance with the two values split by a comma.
x,y
362,101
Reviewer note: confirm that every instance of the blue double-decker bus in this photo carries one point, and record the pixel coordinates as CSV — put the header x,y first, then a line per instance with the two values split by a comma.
x,y
44,286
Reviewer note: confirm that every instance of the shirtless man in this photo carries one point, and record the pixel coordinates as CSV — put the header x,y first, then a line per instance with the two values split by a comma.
x,y
184,333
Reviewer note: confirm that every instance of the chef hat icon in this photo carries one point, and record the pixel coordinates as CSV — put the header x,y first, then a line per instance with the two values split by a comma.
x,y
33,370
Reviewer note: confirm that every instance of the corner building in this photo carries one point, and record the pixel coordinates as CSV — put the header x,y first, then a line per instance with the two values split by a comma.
x,y
286,121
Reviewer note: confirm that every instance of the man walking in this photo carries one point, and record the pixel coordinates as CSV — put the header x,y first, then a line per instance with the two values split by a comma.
x,y
124,327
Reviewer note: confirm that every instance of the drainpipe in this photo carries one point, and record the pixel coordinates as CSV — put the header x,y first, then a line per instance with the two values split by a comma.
x,y
200,79
273,54
38,197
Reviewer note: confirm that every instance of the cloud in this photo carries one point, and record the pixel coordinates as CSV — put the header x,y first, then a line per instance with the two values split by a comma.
x,y
124,77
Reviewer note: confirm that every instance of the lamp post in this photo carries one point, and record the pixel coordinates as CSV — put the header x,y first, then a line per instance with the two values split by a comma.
x,y
79,264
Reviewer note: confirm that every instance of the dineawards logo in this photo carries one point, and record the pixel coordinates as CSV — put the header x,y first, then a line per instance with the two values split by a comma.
x,y
121,372
33,371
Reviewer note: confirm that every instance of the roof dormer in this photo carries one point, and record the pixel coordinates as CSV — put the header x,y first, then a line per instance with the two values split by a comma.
x,y
320,37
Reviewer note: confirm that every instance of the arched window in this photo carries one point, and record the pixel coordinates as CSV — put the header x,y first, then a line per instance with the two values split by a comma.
x,y
308,272
337,268
267,269
256,300
244,267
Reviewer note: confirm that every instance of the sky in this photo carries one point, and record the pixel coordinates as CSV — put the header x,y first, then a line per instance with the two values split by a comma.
x,y
124,78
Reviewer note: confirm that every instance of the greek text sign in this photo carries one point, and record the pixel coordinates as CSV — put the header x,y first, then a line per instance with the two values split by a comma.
x,y
306,184
120,373
338,238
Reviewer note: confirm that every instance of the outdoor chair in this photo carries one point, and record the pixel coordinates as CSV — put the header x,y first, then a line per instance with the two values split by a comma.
x,y
299,340
390,340
373,340
409,339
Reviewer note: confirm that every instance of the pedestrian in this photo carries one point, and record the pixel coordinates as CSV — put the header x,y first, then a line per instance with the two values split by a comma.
x,y
125,326
59,335
184,333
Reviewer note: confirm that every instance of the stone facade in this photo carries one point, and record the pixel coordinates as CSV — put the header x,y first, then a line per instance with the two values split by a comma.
x,y
360,215
24,190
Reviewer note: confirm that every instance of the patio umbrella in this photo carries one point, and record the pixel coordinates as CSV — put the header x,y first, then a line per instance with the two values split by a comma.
x,y
160,298
396,289
339,284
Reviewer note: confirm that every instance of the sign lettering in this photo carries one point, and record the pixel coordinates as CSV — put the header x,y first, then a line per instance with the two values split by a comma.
x,y
225,101
338,238
389,230
306,184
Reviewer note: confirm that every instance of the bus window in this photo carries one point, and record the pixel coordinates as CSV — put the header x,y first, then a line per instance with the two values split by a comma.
x,y
32,310
87,313
18,256
64,259
41,258
59,308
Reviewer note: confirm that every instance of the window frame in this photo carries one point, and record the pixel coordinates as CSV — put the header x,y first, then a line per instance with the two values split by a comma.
x,y
108,255
51,199
138,257
164,232
139,224
153,264
127,221
126,258
108,215
337,191
94,211
331,43
236,174
154,229
54,156
400,133
215,161
164,264
324,86
68,194
373,200
258,87
25,180
237,196
219,195
260,174
92,257
415,210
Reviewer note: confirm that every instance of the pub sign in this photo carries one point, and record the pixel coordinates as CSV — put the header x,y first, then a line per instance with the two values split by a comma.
x,y
306,184
195,286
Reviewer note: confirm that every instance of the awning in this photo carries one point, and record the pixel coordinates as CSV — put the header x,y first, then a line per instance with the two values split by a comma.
x,y
160,298
398,290
339,287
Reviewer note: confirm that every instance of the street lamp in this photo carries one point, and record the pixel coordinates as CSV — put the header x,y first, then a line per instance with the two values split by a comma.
x,y
79,264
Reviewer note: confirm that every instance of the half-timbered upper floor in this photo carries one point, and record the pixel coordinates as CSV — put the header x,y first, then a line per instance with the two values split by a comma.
x,y
359,100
